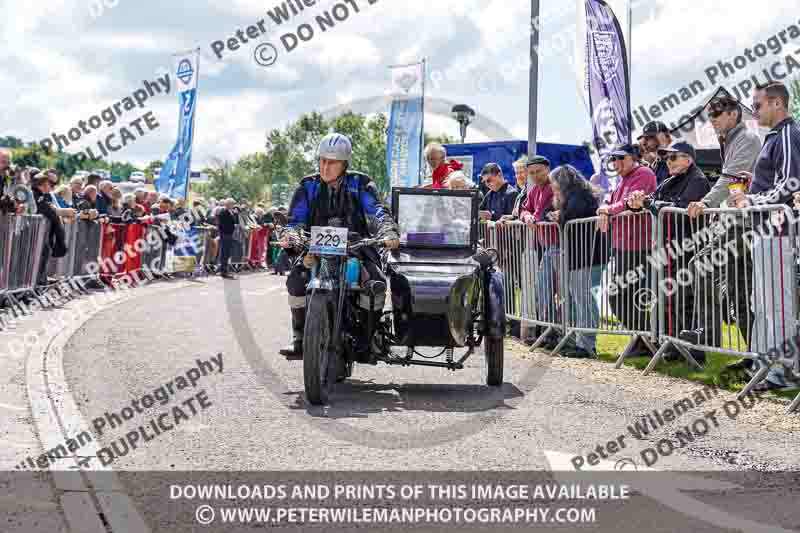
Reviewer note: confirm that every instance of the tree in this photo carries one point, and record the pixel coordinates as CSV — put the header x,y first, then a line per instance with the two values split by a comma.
x,y
11,142
150,171
290,154
441,139
31,154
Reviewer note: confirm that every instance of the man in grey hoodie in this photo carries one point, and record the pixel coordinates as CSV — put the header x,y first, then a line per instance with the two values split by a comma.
x,y
739,148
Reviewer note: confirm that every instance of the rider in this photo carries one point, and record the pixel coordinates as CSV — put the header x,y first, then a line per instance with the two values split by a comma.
x,y
339,197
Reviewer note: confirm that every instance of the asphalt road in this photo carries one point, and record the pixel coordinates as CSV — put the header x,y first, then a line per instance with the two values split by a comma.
x,y
384,418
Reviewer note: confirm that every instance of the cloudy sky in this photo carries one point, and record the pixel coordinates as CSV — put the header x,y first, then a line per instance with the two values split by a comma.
x,y
62,61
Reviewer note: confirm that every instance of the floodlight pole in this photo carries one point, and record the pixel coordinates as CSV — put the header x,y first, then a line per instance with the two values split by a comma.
x,y
533,84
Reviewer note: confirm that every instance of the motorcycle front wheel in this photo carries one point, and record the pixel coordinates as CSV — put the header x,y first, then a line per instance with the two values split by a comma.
x,y
319,371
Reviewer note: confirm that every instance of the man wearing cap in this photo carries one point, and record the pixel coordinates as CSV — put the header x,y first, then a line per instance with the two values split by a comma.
x,y
630,238
500,200
655,136
739,148
540,194
534,211
686,183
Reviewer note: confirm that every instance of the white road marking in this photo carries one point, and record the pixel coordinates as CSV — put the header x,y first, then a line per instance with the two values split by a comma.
x,y
12,407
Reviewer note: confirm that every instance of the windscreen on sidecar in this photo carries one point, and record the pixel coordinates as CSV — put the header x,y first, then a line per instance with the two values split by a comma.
x,y
436,218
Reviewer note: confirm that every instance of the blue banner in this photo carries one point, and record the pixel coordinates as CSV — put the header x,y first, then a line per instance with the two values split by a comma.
x,y
403,145
404,137
188,243
608,85
174,177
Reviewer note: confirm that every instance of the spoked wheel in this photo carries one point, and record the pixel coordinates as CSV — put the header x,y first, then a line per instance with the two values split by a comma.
x,y
319,365
493,349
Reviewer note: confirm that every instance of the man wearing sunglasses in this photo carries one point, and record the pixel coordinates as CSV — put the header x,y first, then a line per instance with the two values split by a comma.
x,y
777,168
630,239
655,136
774,181
686,183
739,148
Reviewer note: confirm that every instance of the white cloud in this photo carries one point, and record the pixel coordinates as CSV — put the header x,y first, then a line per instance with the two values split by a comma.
x,y
59,65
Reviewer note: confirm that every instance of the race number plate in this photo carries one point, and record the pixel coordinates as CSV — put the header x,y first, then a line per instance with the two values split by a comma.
x,y
328,241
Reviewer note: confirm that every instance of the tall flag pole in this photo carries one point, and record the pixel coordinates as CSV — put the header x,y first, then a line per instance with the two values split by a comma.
x,y
533,79
174,177
605,77
422,127
404,136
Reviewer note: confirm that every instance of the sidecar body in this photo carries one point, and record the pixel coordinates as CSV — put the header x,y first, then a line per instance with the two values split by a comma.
x,y
438,288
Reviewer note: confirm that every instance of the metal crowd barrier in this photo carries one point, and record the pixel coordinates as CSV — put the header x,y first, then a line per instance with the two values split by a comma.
x,y
23,240
208,234
64,267
121,253
529,257
153,254
259,244
241,249
6,247
733,267
726,282
88,242
508,239
29,235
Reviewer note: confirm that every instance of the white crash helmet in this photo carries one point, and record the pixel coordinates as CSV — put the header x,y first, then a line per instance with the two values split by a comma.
x,y
336,146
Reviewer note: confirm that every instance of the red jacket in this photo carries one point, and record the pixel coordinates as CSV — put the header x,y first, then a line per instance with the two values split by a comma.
x,y
631,233
538,204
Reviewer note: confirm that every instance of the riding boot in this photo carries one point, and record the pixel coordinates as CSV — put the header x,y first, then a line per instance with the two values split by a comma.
x,y
295,349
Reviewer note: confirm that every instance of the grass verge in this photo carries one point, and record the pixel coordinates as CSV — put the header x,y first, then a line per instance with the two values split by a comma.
x,y
714,372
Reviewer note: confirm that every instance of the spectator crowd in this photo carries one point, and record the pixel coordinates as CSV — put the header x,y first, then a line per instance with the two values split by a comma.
x,y
90,198
652,174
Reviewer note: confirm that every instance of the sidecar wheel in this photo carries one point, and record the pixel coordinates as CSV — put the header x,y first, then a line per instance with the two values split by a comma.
x,y
318,358
493,349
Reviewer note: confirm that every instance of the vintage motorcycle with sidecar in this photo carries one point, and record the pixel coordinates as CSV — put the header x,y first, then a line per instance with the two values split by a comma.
x,y
445,293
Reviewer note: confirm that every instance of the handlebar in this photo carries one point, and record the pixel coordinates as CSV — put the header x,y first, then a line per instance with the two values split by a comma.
x,y
376,243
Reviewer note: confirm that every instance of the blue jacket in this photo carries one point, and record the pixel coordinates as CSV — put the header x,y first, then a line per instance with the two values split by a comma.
x,y
501,202
776,176
359,205
102,203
